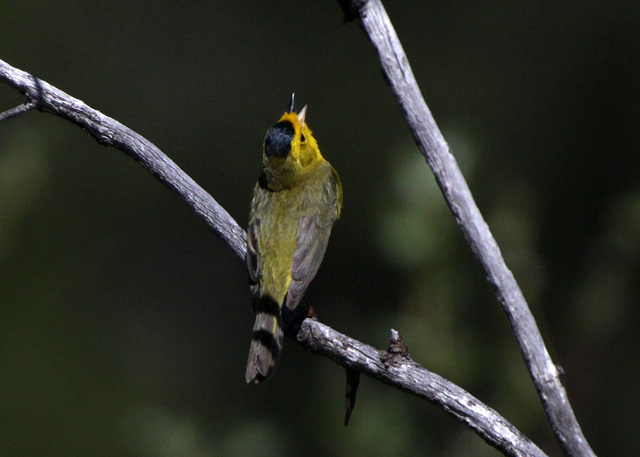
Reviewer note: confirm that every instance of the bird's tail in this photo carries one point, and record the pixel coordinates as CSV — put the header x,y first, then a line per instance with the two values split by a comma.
x,y
266,342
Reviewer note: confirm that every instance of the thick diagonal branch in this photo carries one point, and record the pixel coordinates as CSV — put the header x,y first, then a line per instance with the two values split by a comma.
x,y
456,192
317,337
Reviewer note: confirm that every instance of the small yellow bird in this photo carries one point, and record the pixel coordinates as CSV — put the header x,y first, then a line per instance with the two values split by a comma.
x,y
295,203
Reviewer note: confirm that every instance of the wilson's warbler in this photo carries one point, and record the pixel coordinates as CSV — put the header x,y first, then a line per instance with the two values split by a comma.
x,y
295,202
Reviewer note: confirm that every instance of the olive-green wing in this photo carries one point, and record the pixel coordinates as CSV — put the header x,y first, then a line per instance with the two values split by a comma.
x,y
252,257
312,238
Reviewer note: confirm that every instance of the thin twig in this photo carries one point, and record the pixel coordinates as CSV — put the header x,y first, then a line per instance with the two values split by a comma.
x,y
13,112
456,192
401,373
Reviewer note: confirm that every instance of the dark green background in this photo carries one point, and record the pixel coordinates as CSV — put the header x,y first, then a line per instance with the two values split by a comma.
x,y
125,324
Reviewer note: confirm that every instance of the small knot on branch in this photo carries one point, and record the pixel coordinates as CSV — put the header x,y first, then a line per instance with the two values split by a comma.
x,y
397,352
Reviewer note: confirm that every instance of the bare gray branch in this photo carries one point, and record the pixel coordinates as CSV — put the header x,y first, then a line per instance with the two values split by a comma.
x,y
398,370
456,192
109,132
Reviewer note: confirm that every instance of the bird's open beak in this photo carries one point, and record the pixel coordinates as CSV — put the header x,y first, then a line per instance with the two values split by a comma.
x,y
292,103
302,115
292,109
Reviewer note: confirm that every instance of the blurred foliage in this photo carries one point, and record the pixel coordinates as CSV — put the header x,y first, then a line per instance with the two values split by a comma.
x,y
124,324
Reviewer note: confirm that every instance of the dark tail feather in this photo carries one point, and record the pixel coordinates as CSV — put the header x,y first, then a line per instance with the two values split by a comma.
x,y
266,343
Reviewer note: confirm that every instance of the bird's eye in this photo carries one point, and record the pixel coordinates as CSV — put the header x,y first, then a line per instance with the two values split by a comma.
x,y
303,138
